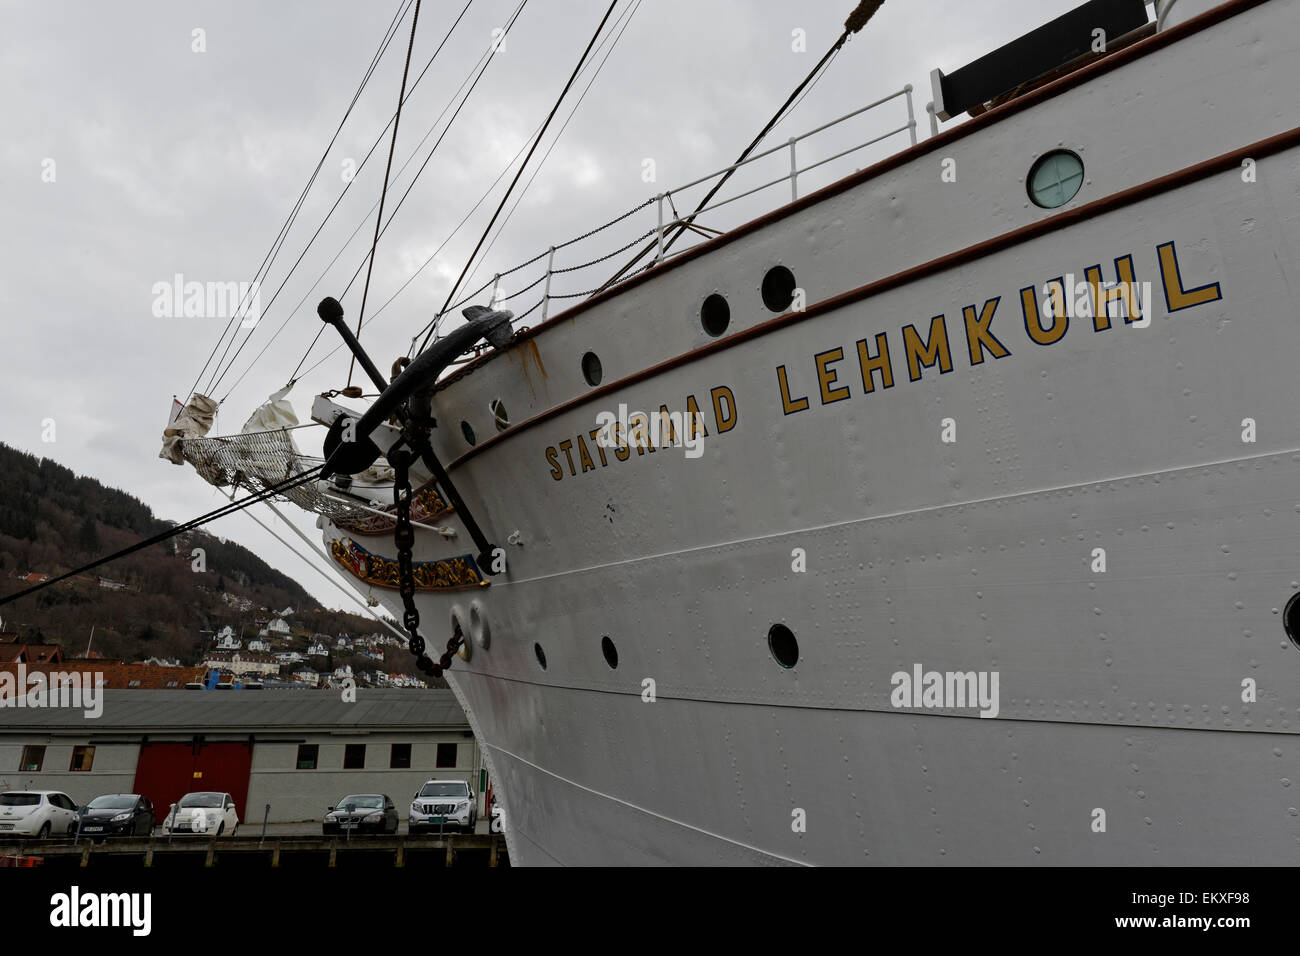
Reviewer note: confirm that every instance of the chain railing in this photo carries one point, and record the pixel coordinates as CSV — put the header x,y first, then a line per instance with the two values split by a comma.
x,y
668,219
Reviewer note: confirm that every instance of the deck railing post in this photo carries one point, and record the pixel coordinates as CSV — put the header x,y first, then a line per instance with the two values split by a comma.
x,y
546,291
794,172
934,120
911,116
659,253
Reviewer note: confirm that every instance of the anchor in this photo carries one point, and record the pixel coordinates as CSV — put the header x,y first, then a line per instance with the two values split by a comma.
x,y
349,449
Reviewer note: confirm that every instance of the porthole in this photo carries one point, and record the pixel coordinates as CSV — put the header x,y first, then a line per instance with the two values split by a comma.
x,y
715,315
478,625
541,655
458,624
1055,179
467,430
591,370
781,642
778,288
610,651
1291,620
499,414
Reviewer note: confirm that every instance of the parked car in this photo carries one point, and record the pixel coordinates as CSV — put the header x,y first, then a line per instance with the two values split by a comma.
x,y
38,813
118,814
205,813
361,813
444,805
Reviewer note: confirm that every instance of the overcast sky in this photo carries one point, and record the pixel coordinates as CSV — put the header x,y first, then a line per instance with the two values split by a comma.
x,y
167,160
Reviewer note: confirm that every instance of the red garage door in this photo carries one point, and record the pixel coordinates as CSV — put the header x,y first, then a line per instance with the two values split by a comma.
x,y
168,771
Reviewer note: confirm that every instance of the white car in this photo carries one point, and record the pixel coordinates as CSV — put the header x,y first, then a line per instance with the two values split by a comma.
x,y
38,813
443,805
205,813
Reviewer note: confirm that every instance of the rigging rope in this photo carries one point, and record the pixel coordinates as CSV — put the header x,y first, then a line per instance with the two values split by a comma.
x,y
555,109
339,199
278,488
626,19
485,62
383,193
342,586
434,255
278,241
855,22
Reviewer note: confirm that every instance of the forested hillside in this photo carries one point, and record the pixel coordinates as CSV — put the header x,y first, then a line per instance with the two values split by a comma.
x,y
52,520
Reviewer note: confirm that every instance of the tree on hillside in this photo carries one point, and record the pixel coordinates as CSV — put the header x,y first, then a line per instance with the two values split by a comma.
x,y
88,536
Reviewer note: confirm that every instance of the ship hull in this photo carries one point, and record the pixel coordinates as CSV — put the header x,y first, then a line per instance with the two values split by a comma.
x,y
1097,506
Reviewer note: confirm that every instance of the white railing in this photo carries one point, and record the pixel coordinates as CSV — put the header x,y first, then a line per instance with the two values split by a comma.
x,y
669,224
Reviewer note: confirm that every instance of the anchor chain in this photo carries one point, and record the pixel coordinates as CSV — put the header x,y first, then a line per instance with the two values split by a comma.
x,y
404,539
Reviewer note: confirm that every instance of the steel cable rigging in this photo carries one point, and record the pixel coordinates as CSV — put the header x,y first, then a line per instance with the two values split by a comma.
x,y
218,376
855,22
237,505
278,242
482,66
555,109
615,37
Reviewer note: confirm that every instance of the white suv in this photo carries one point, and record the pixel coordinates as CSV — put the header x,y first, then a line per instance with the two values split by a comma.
x,y
38,813
444,805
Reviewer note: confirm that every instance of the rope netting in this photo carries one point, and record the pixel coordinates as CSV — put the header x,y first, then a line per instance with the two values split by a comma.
x,y
258,460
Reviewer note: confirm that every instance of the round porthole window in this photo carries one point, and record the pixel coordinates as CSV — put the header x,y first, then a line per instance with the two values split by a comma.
x,y
479,631
591,369
778,288
715,315
468,431
1055,179
541,655
1291,620
499,414
610,651
458,624
781,642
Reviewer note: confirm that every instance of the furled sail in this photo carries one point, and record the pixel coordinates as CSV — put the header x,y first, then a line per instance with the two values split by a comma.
x,y
261,455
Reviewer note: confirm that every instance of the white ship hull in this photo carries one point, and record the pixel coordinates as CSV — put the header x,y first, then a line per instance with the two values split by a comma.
x,y
1126,690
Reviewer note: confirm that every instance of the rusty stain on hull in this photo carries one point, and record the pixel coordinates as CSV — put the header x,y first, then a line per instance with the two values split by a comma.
x,y
527,352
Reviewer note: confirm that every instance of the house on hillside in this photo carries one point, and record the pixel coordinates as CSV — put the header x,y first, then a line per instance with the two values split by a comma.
x,y
317,649
278,626
16,652
259,645
241,662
